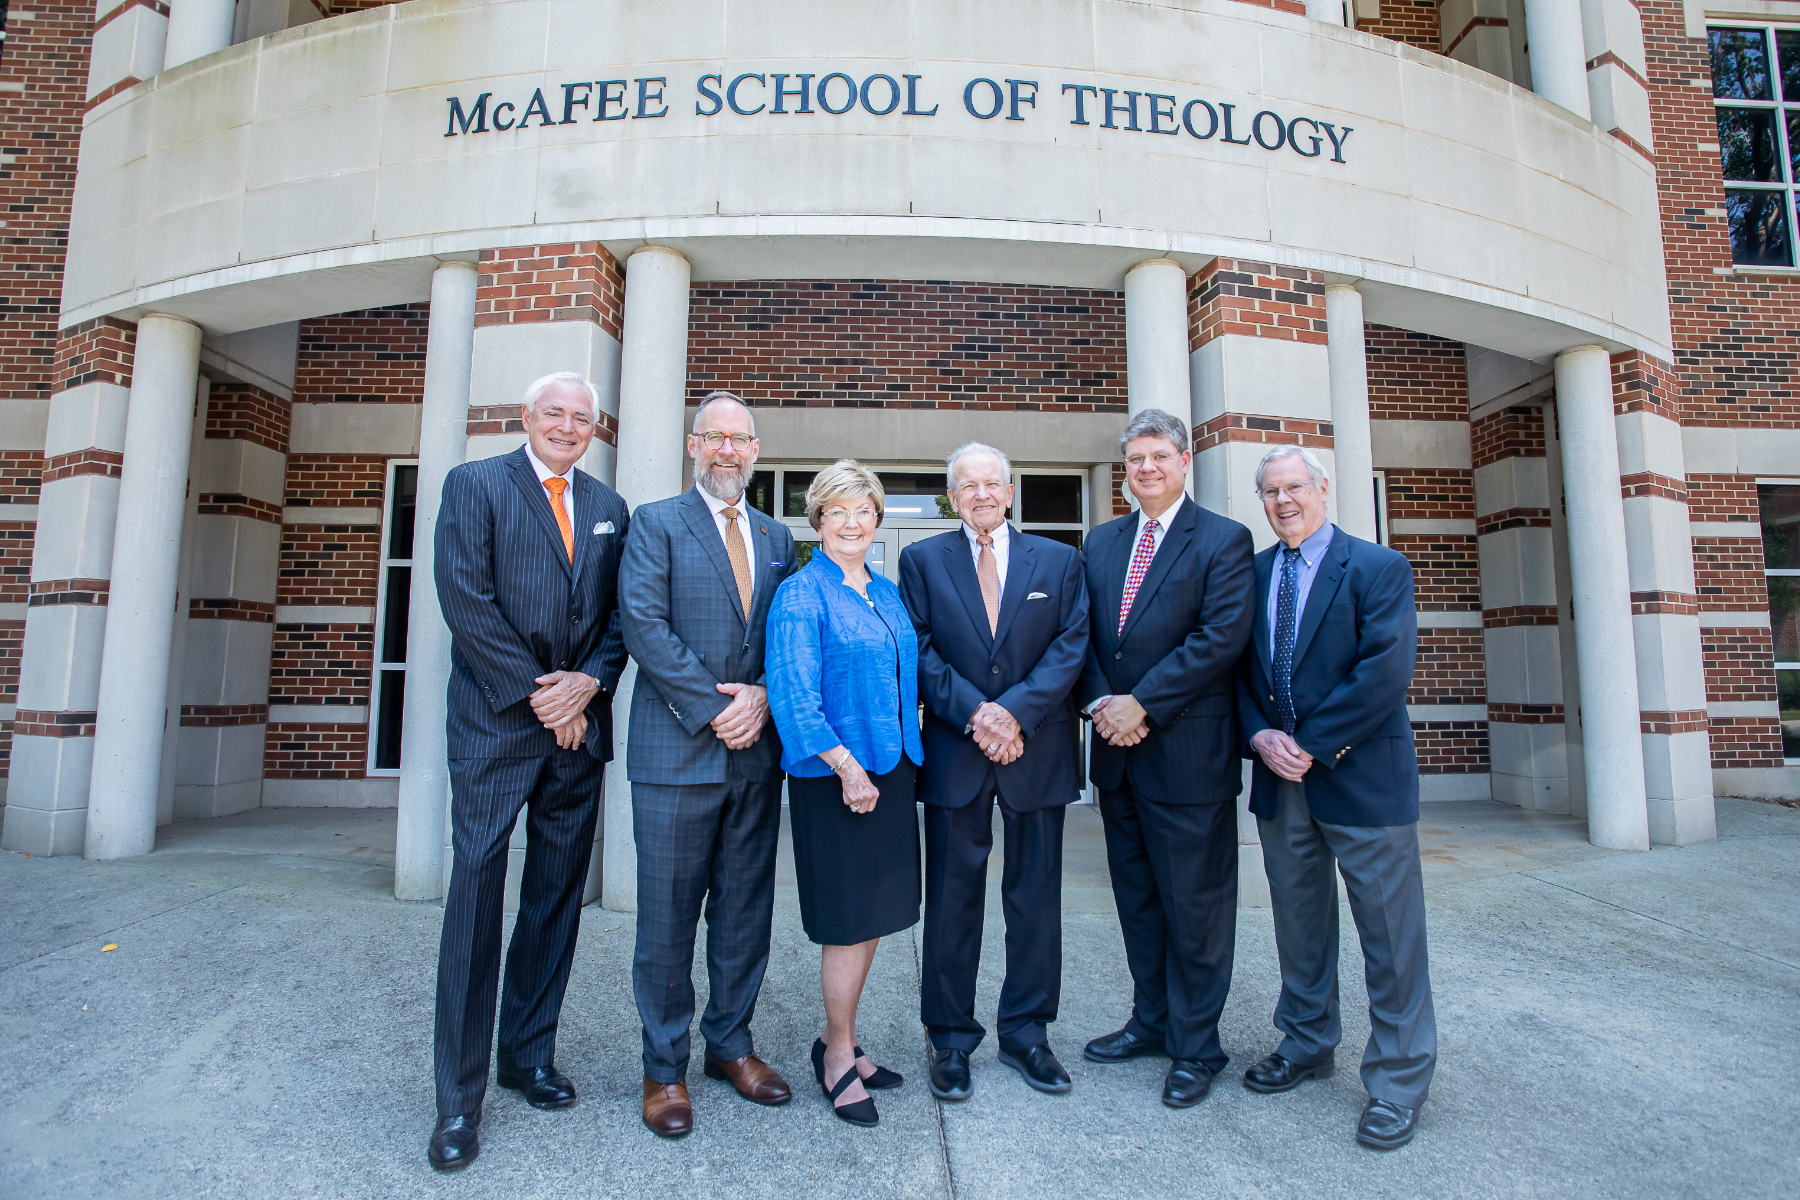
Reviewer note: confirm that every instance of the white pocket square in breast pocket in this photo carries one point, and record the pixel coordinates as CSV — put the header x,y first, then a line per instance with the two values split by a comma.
x,y
605,527
1038,596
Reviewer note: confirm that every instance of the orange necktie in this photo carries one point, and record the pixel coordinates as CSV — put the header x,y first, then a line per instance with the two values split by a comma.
x,y
556,486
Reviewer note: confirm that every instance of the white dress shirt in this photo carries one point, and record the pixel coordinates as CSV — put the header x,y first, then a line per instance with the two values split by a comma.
x,y
717,507
1002,550
544,472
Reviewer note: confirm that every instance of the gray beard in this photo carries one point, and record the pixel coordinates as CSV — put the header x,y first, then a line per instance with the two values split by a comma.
x,y
724,484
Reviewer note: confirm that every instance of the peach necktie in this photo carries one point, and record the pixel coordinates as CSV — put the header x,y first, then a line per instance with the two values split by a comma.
x,y
987,573
556,486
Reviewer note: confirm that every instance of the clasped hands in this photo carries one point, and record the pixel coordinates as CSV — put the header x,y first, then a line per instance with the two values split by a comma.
x,y
1121,720
741,723
561,704
997,732
1282,754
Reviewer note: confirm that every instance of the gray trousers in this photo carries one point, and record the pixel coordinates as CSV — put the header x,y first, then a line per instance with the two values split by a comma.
x,y
1387,900
708,846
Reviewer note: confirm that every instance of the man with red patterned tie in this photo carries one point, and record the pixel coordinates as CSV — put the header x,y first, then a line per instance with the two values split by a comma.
x,y
1172,591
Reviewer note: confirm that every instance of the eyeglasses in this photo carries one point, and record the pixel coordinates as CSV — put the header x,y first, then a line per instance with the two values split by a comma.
x,y
1292,491
865,513
1135,461
712,439
976,485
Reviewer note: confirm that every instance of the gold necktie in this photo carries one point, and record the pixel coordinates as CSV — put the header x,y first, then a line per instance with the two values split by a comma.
x,y
987,570
556,487
740,560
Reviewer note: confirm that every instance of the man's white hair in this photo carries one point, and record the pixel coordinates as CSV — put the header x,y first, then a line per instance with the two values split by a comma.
x,y
1314,467
712,398
965,450
537,389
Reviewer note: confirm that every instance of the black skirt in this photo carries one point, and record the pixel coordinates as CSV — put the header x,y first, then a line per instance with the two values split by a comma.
x,y
858,873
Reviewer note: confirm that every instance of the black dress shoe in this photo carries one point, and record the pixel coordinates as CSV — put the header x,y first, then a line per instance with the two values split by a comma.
x,y
1276,1074
1186,1084
1119,1047
453,1143
1386,1125
1039,1067
950,1075
543,1087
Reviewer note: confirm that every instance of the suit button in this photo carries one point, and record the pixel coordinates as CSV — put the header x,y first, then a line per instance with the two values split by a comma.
x,y
563,666
995,670
574,618
746,648
1118,654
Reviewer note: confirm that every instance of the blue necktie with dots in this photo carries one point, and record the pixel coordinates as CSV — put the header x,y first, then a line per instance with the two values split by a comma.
x,y
1286,601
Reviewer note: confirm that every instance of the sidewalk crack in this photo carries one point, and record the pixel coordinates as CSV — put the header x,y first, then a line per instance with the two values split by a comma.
x,y
128,925
1705,937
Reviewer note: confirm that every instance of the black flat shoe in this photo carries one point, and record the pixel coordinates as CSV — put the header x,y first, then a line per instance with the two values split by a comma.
x,y
1386,1125
542,1087
1276,1074
862,1114
1119,1047
1186,1084
950,1075
454,1143
1040,1069
882,1080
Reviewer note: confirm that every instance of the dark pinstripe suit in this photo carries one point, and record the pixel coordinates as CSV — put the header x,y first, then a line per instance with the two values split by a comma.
x,y
518,610
705,818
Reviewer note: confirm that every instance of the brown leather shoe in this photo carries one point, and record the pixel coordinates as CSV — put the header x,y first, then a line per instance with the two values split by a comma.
x,y
667,1111
753,1078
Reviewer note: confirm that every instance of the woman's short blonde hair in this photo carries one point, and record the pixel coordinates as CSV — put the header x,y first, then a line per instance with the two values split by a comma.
x,y
845,479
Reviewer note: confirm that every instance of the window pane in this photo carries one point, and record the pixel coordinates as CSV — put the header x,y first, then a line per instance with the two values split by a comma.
x,y
793,492
915,494
803,552
1787,42
1747,145
388,720
406,503
1787,687
1793,131
398,604
1068,537
762,491
1740,64
1759,228
1780,505
1050,498
1784,617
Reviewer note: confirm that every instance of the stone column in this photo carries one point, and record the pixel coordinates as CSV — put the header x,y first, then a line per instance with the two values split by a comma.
x,y
1156,337
184,594
1353,448
424,764
652,407
197,28
140,617
1558,53
1599,576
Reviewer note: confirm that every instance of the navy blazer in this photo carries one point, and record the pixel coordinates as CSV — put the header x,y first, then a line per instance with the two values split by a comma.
x,y
1353,661
686,628
1177,654
517,609
1029,669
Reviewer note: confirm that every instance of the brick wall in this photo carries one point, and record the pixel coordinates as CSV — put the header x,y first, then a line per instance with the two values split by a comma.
x,y
569,281
867,344
1255,299
1415,376
369,356
1414,22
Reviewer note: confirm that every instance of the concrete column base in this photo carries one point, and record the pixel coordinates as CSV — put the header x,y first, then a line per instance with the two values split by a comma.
x,y
1682,822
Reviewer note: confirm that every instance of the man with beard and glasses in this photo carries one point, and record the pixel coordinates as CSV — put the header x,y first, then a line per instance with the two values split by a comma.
x,y
704,762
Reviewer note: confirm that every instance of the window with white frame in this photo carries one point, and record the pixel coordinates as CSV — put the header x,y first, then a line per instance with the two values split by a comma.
x,y
393,601
1780,505
1756,98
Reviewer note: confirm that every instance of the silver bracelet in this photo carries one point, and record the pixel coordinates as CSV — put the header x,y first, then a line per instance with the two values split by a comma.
x,y
842,759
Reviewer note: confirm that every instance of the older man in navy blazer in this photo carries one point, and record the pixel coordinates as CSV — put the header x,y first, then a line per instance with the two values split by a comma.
x,y
1002,618
1322,692
527,563
1171,592
704,762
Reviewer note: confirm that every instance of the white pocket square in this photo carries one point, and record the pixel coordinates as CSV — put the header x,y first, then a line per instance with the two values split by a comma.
x,y
1038,596
605,527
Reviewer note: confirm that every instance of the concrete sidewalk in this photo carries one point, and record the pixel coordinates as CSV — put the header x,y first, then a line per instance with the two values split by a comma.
x,y
1611,1024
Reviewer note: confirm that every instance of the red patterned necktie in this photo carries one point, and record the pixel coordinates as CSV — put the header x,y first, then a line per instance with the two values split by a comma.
x,y
1140,564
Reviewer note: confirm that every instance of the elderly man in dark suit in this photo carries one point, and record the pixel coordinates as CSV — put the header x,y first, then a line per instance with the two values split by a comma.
x,y
1171,591
1002,618
526,570
704,763
1335,787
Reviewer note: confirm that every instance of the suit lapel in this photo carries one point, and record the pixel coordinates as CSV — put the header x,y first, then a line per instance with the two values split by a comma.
x,y
1325,586
968,585
700,521
1113,557
586,501
764,560
1181,528
1021,565
537,499
1264,564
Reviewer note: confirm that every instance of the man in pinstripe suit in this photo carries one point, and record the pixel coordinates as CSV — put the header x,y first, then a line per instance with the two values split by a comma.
x,y
527,576
704,762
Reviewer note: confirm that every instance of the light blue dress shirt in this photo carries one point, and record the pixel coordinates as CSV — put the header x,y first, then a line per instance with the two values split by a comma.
x,y
1312,553
841,671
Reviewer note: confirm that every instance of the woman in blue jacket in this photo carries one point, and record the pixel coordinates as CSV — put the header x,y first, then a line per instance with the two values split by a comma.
x,y
843,678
